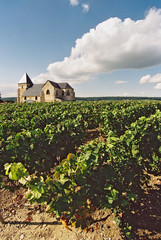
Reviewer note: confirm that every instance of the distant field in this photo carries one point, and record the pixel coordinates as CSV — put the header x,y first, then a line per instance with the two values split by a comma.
x,y
117,98
100,98
10,99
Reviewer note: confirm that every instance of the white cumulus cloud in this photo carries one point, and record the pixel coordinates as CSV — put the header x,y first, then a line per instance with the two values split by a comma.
x,y
85,7
152,79
158,86
74,2
114,44
121,82
145,79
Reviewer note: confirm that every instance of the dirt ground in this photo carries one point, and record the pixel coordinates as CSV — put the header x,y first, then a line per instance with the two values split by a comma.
x,y
146,216
26,222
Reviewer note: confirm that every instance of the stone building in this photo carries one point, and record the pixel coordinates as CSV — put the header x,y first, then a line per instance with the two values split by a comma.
x,y
47,92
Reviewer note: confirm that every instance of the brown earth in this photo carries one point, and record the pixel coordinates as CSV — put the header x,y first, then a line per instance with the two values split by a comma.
x,y
146,216
26,222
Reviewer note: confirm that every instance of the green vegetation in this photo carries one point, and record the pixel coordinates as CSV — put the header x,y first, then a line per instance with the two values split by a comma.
x,y
108,172
116,98
14,99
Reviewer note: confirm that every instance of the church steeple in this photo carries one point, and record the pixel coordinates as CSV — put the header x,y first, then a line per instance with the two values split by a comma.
x,y
23,85
26,80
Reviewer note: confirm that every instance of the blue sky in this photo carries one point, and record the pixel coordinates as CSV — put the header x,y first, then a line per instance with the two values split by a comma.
x,y
101,47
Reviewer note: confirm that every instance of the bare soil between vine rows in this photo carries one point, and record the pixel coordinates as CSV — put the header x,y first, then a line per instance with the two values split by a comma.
x,y
23,221
26,222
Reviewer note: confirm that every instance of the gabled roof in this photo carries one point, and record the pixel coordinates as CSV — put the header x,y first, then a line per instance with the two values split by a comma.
x,y
35,90
26,79
65,85
54,84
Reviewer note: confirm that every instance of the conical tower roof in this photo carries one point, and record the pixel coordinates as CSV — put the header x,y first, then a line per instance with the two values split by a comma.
x,y
26,79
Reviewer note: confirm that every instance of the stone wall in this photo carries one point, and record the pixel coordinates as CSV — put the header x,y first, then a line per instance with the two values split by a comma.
x,y
49,92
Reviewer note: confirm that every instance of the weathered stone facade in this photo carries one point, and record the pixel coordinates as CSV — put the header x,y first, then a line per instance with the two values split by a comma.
x,y
47,92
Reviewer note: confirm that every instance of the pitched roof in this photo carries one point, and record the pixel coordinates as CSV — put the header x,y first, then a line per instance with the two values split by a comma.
x,y
65,85
54,84
35,90
26,79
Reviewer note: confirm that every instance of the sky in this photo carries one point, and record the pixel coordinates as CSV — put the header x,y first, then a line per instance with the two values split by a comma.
x,y
100,47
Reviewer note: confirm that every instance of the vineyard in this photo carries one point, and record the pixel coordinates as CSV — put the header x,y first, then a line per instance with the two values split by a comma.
x,y
46,149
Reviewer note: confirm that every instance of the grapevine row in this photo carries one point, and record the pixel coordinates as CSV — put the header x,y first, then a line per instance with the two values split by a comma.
x,y
108,172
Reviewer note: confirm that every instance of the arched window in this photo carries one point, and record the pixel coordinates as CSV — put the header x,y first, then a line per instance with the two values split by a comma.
x,y
68,93
48,91
63,93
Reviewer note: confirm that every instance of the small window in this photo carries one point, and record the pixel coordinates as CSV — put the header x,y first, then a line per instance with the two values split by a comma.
x,y
68,93
25,98
36,98
63,93
48,92
57,93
